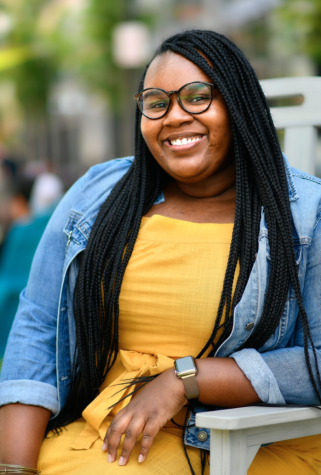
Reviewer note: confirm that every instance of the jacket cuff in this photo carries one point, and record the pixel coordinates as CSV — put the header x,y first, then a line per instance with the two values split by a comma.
x,y
260,376
29,392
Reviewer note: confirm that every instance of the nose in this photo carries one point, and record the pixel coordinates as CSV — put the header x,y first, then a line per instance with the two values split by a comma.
x,y
176,115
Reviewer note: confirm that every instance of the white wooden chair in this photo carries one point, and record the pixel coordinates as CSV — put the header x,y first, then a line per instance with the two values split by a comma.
x,y
237,434
300,122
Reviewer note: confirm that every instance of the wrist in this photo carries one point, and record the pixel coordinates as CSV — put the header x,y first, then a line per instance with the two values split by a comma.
x,y
176,385
17,469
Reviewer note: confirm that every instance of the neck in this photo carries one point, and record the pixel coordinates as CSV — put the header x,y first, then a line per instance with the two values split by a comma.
x,y
219,186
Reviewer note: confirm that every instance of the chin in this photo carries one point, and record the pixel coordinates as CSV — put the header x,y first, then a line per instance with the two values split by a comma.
x,y
185,170
187,176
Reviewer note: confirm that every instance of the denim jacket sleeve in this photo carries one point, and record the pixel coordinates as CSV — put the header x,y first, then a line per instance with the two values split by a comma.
x,y
280,375
36,377
32,341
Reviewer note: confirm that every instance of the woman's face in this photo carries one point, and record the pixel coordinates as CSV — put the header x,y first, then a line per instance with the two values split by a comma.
x,y
211,152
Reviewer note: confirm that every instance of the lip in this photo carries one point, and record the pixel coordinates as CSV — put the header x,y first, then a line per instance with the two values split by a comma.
x,y
187,146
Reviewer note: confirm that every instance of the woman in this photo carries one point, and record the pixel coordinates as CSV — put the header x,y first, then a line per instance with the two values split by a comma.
x,y
196,247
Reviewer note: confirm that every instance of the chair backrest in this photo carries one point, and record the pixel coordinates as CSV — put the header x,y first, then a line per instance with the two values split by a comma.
x,y
299,122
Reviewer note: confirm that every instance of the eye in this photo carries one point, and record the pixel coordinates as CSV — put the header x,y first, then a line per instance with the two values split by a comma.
x,y
154,100
156,105
196,98
195,95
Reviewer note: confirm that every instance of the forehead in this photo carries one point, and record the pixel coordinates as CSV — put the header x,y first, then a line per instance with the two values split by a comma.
x,y
170,71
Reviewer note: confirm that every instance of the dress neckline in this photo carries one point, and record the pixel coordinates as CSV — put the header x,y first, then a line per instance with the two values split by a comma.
x,y
162,229
160,217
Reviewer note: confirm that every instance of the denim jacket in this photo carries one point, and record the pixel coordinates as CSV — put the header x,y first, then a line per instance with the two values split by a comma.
x,y
42,340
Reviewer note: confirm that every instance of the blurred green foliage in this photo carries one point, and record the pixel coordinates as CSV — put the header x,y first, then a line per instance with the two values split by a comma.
x,y
66,42
34,77
96,61
303,19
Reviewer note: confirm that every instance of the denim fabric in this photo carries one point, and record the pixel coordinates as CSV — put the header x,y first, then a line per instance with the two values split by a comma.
x,y
196,436
42,339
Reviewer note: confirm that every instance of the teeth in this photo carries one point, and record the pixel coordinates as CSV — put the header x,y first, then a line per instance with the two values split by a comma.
x,y
185,141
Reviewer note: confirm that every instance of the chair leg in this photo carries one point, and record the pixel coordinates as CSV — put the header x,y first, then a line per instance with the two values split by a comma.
x,y
229,452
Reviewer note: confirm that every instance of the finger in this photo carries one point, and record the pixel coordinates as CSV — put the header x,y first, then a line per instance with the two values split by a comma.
x,y
122,413
104,447
150,431
105,443
133,431
113,435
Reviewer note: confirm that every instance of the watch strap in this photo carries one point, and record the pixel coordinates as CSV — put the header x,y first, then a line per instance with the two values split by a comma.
x,y
191,386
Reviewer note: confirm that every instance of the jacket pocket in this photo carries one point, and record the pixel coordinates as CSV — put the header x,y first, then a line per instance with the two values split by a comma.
x,y
297,251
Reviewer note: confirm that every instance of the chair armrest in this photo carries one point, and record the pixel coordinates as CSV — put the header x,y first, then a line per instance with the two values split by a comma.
x,y
237,434
254,416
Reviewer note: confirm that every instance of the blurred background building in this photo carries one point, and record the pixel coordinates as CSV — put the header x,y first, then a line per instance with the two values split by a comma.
x,y
69,70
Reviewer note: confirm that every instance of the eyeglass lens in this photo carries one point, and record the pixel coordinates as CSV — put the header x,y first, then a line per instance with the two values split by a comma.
x,y
194,98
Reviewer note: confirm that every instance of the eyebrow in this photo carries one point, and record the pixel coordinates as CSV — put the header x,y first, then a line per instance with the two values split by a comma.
x,y
151,92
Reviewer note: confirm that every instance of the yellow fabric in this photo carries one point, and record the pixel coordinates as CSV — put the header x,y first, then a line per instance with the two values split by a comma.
x,y
168,303
166,457
173,284
289,457
156,289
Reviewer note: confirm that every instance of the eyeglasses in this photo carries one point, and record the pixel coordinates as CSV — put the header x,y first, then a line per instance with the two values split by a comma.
x,y
194,97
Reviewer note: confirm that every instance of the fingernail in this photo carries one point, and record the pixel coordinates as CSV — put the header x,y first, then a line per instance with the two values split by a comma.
x,y
121,460
110,458
141,458
104,447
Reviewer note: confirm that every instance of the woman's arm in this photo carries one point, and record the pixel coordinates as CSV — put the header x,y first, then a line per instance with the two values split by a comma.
x,y
28,381
220,381
32,344
22,429
281,376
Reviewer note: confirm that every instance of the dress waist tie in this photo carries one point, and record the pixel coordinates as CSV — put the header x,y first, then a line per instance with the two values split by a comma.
x,y
95,414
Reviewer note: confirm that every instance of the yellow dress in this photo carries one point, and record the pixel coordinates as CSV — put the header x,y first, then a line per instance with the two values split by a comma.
x,y
168,304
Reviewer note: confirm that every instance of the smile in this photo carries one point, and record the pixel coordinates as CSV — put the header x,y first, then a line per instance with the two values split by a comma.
x,y
185,141
183,144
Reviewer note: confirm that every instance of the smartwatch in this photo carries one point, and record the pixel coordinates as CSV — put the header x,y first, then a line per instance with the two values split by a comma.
x,y
186,370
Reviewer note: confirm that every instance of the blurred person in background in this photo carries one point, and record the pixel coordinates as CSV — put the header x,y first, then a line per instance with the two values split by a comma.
x,y
9,166
29,207
46,192
203,250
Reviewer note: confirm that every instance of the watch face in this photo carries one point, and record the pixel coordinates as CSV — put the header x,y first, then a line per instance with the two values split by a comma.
x,y
185,366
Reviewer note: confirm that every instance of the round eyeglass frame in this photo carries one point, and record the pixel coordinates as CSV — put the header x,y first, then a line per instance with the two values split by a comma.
x,y
169,93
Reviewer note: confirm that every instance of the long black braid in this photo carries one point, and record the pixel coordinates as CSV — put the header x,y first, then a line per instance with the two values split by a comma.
x,y
260,182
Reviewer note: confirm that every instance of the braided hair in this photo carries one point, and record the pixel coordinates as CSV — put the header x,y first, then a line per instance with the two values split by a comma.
x,y
260,182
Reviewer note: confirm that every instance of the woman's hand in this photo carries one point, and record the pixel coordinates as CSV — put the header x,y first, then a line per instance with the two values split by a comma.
x,y
154,405
221,383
